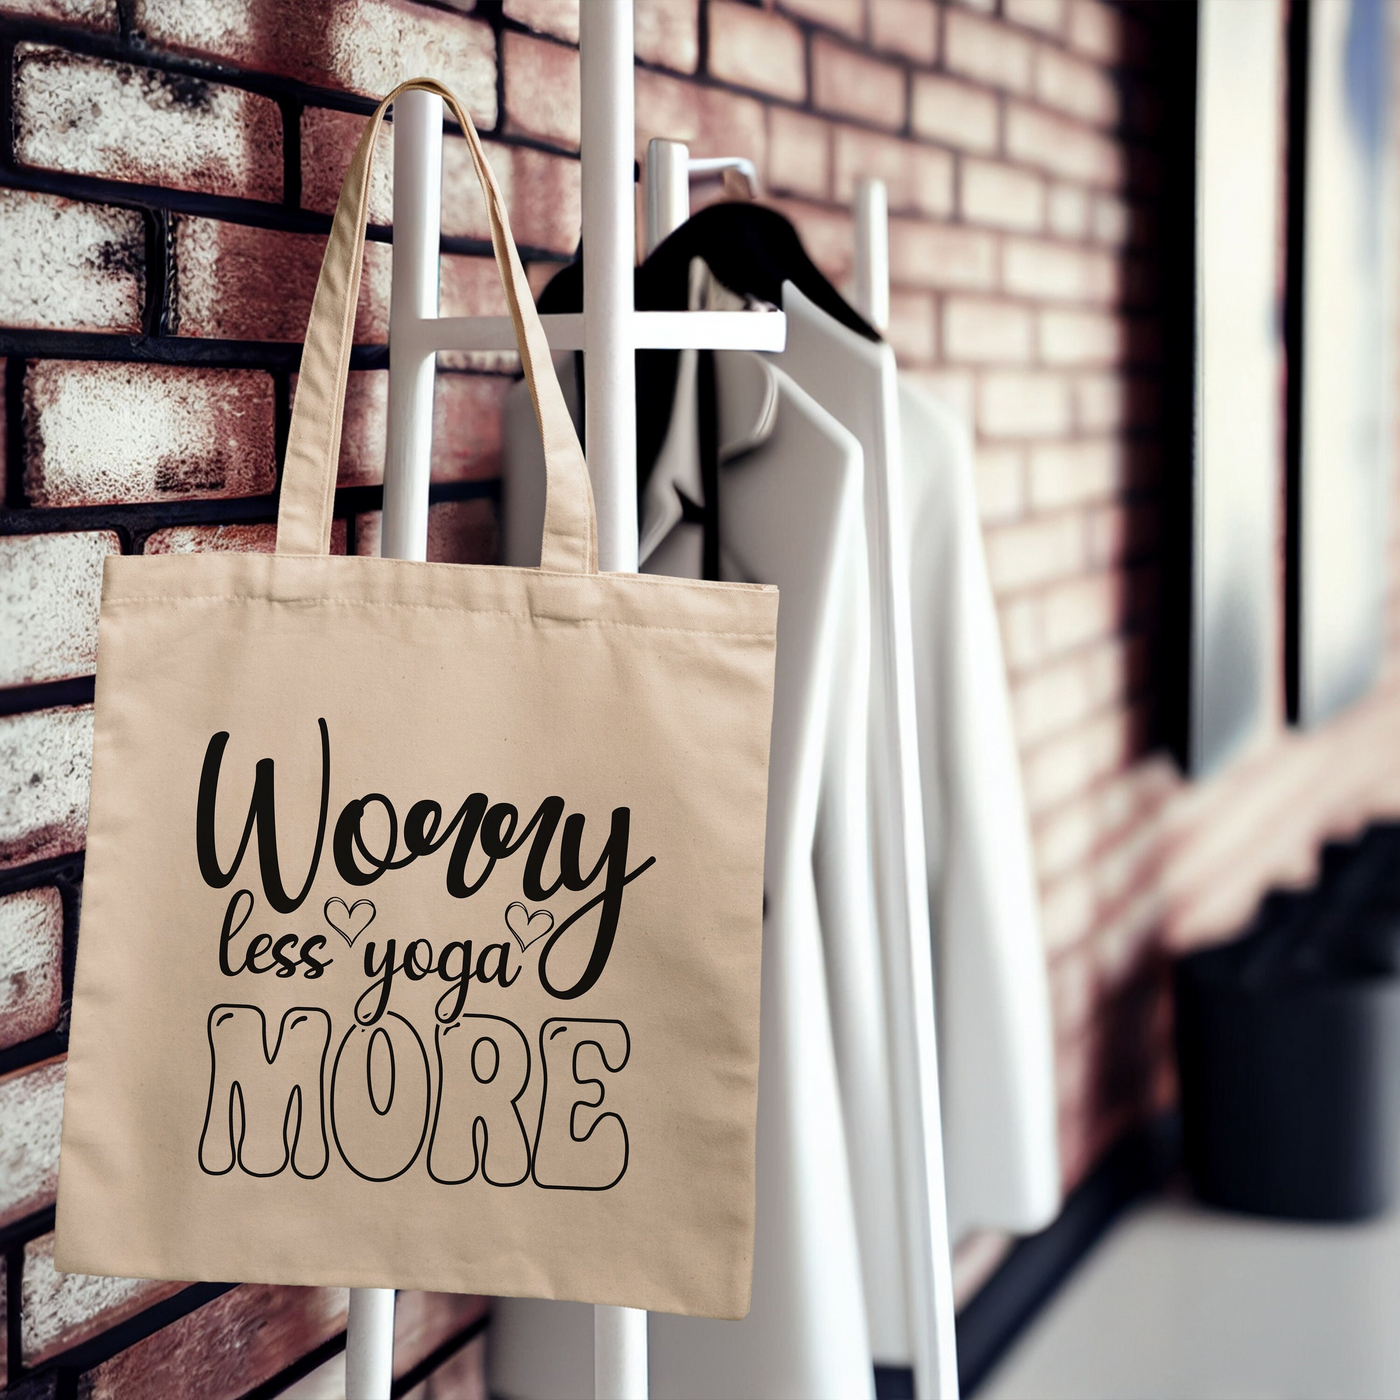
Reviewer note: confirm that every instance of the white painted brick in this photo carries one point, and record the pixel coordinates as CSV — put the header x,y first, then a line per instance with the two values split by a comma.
x,y
61,1310
121,432
31,970
1064,474
1001,196
119,122
1001,491
70,266
1034,552
50,586
45,766
364,46
1023,405
977,330
1069,211
31,1111
924,254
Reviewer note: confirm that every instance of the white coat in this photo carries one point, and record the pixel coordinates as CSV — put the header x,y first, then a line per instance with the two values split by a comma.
x,y
791,514
996,1049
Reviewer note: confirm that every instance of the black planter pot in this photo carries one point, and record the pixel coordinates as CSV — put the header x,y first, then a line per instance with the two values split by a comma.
x,y
1290,1088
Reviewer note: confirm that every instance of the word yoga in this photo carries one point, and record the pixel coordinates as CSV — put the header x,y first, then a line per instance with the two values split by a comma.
x,y
386,1095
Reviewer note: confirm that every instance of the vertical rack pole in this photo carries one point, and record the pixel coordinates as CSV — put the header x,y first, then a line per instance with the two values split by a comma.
x,y
667,189
609,244
369,1341
414,299
610,435
873,253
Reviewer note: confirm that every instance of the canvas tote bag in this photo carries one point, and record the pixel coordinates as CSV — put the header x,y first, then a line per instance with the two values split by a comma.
x,y
420,944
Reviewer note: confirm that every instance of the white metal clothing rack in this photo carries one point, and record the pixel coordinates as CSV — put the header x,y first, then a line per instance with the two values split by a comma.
x,y
608,333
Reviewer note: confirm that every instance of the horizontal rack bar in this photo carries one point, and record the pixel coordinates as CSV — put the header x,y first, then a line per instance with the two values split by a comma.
x,y
653,330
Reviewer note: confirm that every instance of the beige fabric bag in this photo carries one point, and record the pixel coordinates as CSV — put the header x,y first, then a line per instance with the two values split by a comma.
x,y
420,945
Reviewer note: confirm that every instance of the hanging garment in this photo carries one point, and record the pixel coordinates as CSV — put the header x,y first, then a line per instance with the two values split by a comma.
x,y
995,1045
886,1051
855,380
791,510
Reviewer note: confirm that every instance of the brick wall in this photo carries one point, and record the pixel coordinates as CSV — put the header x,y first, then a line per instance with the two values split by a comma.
x,y
166,170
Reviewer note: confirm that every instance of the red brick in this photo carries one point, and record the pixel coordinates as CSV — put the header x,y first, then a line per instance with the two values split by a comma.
x,y
757,49
459,532
987,51
911,327
827,234
1096,29
799,154
463,1375
1078,88
328,138
1048,16
86,116
130,432
227,539
1069,211
226,1348
466,427
50,586
31,1113
90,14
847,16
941,255
363,46
542,89
62,1310
31,964
541,190
853,85
424,1321
1001,196
1062,147
1001,488
1023,405
556,17
954,113
710,121
908,27
917,179
667,33
1034,552
1081,338
980,331
237,282
1037,268
71,266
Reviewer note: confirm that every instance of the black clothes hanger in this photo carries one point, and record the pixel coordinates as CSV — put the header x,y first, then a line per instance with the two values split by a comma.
x,y
752,251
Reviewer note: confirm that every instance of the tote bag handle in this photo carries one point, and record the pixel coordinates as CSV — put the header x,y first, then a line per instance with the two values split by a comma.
x,y
570,542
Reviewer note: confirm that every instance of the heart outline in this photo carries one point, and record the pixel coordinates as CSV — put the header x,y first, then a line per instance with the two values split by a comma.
x,y
349,917
529,921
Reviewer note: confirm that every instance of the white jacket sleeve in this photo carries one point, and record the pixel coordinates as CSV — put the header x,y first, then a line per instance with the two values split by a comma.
x,y
995,1043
